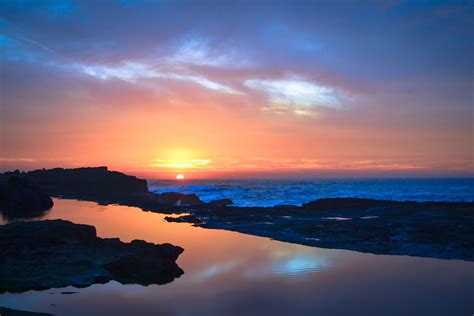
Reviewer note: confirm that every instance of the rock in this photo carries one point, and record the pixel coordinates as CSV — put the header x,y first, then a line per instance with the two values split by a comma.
x,y
106,187
285,206
145,265
190,199
183,219
87,182
45,254
425,229
221,202
178,199
19,197
170,198
337,204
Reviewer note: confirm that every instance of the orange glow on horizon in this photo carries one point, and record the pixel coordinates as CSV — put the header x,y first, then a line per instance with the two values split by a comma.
x,y
232,142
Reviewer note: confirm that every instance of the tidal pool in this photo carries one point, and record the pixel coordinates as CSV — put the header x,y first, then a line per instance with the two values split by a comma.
x,y
228,273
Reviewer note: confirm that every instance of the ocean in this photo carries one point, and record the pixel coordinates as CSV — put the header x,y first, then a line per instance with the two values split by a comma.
x,y
264,192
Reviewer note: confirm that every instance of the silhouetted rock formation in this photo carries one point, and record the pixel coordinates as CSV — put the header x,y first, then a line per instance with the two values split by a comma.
x,y
87,182
177,199
428,229
221,202
46,254
19,197
103,186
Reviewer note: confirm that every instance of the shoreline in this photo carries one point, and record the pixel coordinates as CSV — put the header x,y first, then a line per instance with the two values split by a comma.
x,y
424,229
386,228
434,230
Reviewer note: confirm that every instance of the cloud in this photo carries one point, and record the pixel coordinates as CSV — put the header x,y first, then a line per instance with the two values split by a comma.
x,y
16,159
196,51
297,92
296,95
136,71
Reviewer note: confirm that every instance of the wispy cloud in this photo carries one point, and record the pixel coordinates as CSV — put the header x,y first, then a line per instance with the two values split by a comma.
x,y
197,52
136,71
295,95
16,159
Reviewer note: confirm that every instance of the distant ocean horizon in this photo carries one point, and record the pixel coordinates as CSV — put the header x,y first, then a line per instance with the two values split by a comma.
x,y
270,192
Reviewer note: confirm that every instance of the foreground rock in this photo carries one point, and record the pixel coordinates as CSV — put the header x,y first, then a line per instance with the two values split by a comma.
x,y
20,197
49,254
431,229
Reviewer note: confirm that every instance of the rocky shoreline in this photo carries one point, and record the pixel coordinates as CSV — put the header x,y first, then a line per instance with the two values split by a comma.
x,y
40,255
431,229
428,229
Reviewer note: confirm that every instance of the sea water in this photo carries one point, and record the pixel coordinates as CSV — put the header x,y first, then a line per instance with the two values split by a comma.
x,y
264,192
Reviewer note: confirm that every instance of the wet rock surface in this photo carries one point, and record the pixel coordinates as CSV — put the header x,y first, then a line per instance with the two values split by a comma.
x,y
50,254
429,229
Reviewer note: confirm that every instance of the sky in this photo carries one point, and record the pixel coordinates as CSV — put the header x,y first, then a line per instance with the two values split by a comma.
x,y
239,88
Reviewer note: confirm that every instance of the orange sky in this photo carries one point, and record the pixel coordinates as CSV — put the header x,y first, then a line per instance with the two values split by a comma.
x,y
285,93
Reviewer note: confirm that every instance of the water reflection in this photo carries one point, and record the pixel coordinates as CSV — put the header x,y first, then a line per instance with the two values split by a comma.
x,y
230,273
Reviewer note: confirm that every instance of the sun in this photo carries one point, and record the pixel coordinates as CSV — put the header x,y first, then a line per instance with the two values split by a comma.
x,y
180,176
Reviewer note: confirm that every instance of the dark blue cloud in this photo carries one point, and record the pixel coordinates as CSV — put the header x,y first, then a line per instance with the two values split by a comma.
x,y
353,45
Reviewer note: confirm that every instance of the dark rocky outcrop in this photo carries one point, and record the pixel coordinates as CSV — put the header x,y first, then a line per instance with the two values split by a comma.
x,y
90,183
221,202
104,186
19,197
340,204
178,199
48,254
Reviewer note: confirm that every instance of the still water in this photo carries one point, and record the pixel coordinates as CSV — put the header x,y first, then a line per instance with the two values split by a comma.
x,y
228,273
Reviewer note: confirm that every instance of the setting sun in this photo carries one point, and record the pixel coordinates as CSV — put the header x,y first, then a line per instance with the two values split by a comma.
x,y
179,176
